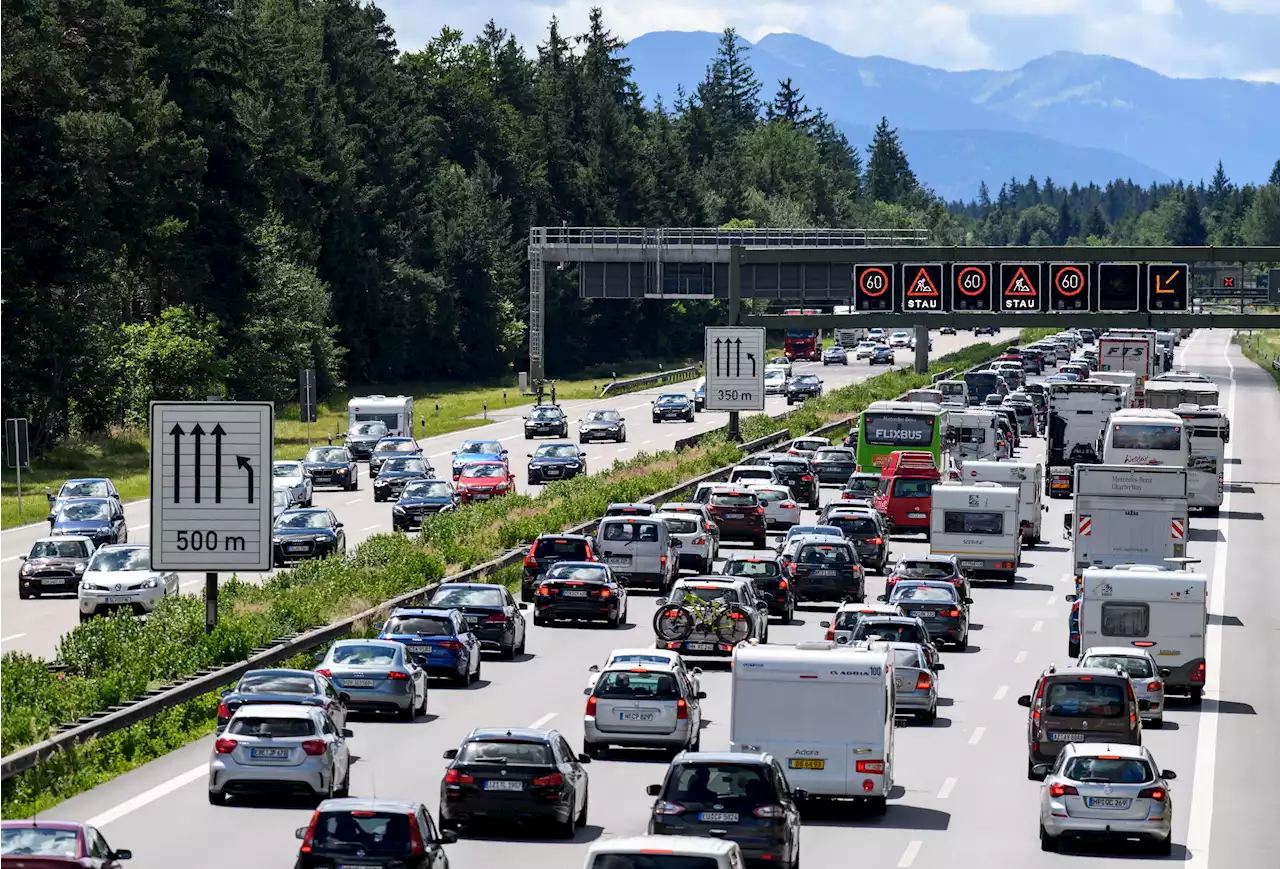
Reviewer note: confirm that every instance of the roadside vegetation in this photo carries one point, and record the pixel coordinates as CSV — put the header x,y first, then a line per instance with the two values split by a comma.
x,y
1262,346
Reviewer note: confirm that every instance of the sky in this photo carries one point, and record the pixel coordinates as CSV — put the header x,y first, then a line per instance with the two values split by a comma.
x,y
1182,38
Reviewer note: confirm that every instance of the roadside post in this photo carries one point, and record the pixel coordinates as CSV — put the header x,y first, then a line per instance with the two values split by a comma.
x,y
17,450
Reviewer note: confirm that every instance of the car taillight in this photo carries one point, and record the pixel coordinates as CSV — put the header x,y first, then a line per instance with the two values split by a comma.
x,y
327,673
788,505
1197,675
924,682
1157,794
416,845
591,707
701,541
955,614
760,510
662,560
875,541
682,710
807,478
831,634
223,711
451,645
737,616
871,766
770,812
1155,686
543,591
397,676
456,777
1063,791
497,618
665,808
604,592
225,746
554,780
782,585
530,561
310,837
314,747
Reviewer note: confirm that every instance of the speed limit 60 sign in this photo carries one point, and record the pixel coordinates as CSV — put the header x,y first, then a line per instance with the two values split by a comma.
x,y
873,287
1069,287
971,287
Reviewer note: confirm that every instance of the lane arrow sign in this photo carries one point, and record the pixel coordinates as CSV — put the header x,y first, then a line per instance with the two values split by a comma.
x,y
717,357
737,356
198,431
752,357
244,463
218,433
177,433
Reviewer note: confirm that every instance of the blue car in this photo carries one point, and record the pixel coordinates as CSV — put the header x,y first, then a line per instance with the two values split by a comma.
x,y
882,355
556,462
438,640
99,519
700,396
420,499
673,406
472,452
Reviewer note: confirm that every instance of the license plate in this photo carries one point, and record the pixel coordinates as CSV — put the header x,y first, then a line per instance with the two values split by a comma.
x,y
52,580
575,593
1107,803
118,598
355,866
479,497
971,564
473,620
718,817
552,473
619,561
807,763
357,683
699,647
635,716
904,683
501,785
278,753
915,515
420,650
1066,737
733,515
922,614
1061,485
824,573
298,547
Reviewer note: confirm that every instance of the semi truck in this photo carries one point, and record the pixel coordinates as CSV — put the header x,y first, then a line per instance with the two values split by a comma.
x,y
1078,413
802,343
1130,350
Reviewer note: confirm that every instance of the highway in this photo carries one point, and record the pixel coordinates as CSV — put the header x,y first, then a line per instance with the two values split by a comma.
x,y
962,790
35,626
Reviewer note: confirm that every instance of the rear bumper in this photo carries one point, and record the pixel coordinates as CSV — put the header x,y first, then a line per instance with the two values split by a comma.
x,y
838,589
694,560
378,700
767,850
730,532
586,610
678,738
306,778
647,580
913,702
523,808
1107,828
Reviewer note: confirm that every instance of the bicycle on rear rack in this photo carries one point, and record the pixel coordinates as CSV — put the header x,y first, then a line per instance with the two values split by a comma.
x,y
727,622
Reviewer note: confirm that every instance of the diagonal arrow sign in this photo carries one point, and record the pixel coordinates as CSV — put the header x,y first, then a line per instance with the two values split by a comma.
x,y
218,433
244,462
177,433
198,432
752,357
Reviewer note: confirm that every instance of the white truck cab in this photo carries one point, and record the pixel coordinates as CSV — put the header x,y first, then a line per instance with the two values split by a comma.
x,y
978,524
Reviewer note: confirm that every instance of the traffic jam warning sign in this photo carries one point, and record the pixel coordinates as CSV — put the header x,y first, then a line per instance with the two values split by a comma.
x,y
873,287
922,284
1020,286
1068,287
971,288
1167,287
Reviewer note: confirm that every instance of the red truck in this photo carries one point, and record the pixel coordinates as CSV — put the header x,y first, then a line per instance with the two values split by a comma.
x,y
905,495
802,343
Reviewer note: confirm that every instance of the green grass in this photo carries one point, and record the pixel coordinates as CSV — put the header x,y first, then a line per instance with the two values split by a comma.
x,y
1261,346
1026,336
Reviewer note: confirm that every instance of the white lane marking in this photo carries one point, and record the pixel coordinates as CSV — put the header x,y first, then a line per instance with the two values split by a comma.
x,y
509,438
541,721
1035,629
947,787
10,558
1000,692
1200,826
909,855
439,455
139,527
1053,598
150,796
368,527
11,637
1021,656
634,406
127,504
977,735
354,501
642,443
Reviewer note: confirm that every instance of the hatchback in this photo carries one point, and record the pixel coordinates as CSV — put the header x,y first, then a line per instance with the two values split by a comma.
x,y
827,571
797,474
842,625
697,547
438,640
65,843
780,508
280,749
546,552
834,465
385,835
54,565
866,531
939,605
376,676
277,685
771,584
1145,675
739,515
642,706
1079,704
860,485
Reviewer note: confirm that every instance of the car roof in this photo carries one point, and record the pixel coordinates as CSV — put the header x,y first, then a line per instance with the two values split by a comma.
x,y
80,538
389,439
543,446
661,844
276,671
1117,651
721,757
869,608
664,653
532,734
931,558
481,442
596,564
277,710
41,824
436,612
87,480
470,585
626,667
389,645
712,579
750,556
908,582
307,510
1098,749
576,538
1074,672
366,804
889,619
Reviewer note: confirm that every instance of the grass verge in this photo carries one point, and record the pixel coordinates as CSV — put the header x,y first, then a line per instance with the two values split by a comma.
x,y
1261,346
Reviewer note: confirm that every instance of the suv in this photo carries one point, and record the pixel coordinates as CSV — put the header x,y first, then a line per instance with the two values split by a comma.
x,y
732,590
547,550
827,571
546,419
860,485
865,530
392,448
771,584
403,829
796,473
943,568
739,515
1080,704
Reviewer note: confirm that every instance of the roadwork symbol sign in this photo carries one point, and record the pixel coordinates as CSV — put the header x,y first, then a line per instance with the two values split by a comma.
x,y
922,282
1020,286
211,485
735,358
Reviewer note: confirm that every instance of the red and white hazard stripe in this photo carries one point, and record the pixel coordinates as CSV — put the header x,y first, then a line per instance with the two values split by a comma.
x,y
1179,529
1085,527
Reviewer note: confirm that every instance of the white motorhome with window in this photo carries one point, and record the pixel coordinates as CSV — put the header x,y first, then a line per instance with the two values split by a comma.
x,y
396,412
1170,394
1152,607
1125,513
824,711
975,435
1126,379
1027,478
1208,432
1078,413
978,524
1140,436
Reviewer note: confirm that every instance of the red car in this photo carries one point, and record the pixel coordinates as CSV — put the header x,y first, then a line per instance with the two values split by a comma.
x,y
56,845
484,481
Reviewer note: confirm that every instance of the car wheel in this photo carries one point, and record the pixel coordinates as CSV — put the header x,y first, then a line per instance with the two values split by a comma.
x,y
582,817
963,644
927,718
447,824
762,542
878,805
530,482
524,638
540,621
1047,842
343,791
1196,696
479,665
215,799
593,749
463,677
507,652
1030,765
614,620
567,828
23,594
84,617
1163,847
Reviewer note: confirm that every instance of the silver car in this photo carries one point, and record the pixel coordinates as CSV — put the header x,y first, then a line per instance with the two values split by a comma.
x,y
280,501
120,576
697,547
845,621
1144,674
643,658
280,749
651,705
295,479
915,681
1105,790
376,676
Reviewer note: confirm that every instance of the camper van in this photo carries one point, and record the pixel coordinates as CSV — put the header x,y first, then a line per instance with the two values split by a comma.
x,y
975,435
824,711
395,412
1152,607
1027,478
977,524
1127,380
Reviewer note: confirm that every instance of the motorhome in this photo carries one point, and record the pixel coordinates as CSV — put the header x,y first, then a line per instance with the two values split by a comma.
x,y
1078,413
1155,607
1125,513
395,412
978,524
1027,478
1208,433
824,711
1169,394
1126,379
1140,436
973,435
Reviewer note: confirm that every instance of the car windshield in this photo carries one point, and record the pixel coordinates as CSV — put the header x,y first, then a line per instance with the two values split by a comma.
x,y
862,485
276,683
925,569
806,380
373,833
775,375
508,751
303,519
433,489
85,511
481,448
632,685
397,447
271,727
416,466
665,399
1078,699
39,842
646,532
286,469
1136,668
602,416
85,489
492,471
893,631
733,500
58,549
719,783
557,451
121,559
367,429
456,597
422,626
545,413
824,554
705,593
578,573
923,593
836,455
363,655
327,454
1109,770
747,567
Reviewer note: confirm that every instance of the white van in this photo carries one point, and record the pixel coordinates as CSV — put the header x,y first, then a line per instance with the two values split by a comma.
x,y
396,413
932,396
639,550
823,710
956,391
1027,478
665,852
1159,609
976,433
977,524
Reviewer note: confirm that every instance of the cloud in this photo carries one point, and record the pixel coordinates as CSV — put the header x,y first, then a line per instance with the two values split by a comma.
x,y
1263,75
1251,7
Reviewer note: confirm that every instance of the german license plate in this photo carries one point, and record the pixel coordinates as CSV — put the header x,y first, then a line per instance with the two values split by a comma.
x,y
503,785
699,647
480,497
824,573
1060,484
552,473
619,561
298,547
575,593
718,817
807,763
118,598
1107,803
971,564
276,753
52,580
355,866
473,620
635,716
1066,737
357,683
420,650
733,515
922,614
915,515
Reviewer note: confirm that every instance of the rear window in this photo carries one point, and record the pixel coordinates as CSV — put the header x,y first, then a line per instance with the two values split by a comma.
x,y
272,683
719,782
906,487
705,593
924,570
274,727
455,597
1108,770
768,496
752,474
645,532
1132,436
551,547
505,751
1095,699
824,554
862,485
901,633
653,861
359,655
907,658
1136,668
791,468
728,500
855,526
972,522
743,567
924,593
423,626
682,526
376,834
578,573
628,685
1125,619
833,456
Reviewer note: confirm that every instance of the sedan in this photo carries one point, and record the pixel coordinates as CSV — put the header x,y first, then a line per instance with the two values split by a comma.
x,y
938,605
881,355
392,448
580,591
865,350
490,611
602,425
99,519
309,532
376,676
396,473
802,387
121,576
82,487
833,465
900,339
63,843
947,330
986,330
551,462
420,499
280,501
477,451
294,479
53,566
546,419
280,685
279,749
835,356
484,481
332,466
438,640
775,381
363,437
778,362
672,406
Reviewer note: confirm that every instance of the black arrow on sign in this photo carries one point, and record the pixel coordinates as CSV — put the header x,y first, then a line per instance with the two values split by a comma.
x,y
177,433
243,462
752,357
198,431
717,357
737,356
218,432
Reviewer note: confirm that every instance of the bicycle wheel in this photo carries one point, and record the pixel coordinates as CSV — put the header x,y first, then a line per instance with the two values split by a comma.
x,y
735,625
672,622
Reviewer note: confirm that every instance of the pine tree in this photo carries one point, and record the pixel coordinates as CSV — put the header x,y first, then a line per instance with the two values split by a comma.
x,y
889,176
1220,187
1187,225
1095,225
1275,174
984,197
736,88
1067,226
788,105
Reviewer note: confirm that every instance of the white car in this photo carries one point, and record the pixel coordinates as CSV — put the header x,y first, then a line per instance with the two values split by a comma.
x,y
775,381
900,339
277,747
697,547
778,362
660,851
864,350
293,477
1143,671
780,507
280,501
641,657
120,575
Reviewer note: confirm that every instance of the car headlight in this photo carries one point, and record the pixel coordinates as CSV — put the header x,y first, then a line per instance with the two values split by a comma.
x,y
22,571
277,540
397,509
89,586
340,471
79,568
324,538
151,582
379,482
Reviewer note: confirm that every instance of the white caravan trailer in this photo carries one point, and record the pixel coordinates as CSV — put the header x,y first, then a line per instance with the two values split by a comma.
x,y
395,412
978,524
1127,514
1027,478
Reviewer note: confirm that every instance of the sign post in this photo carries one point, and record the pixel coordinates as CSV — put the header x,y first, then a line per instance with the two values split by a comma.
x,y
17,450
211,489
307,399
735,357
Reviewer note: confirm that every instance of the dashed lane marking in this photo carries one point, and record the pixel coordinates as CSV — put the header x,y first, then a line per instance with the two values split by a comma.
x,y
977,735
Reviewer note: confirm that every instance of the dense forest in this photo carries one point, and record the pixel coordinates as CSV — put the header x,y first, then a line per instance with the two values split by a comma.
x,y
202,196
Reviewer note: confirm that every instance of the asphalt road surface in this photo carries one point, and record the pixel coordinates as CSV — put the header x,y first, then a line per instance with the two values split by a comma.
x,y
963,796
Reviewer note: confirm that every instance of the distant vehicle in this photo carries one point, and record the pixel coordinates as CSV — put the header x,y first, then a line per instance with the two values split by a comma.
x,y
312,532
293,477
603,425
82,487
673,405
986,330
54,565
247,758
477,451
803,387
779,362
362,437
391,448
332,466
99,519
377,676
394,412
121,576
835,356
420,499
864,350
438,640
900,339
882,354
551,462
546,419
280,501
397,473
947,330
775,381
484,481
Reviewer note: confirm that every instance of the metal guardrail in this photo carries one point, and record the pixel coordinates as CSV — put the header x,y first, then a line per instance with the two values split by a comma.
x,y
675,375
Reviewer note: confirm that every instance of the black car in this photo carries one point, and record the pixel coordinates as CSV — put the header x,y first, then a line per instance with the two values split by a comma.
x,y
546,419
827,571
602,425
81,487
740,797
515,774
547,551
99,519
771,584
53,566
278,685
937,604
944,568
551,462
306,532
396,473
672,406
1032,361
385,835
332,466
700,395
947,330
492,613
797,474
803,387
860,486
834,465
867,535
986,330
392,448
580,591
882,354
363,437
420,499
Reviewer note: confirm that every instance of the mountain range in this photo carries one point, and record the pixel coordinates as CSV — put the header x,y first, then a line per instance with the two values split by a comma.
x,y
1072,117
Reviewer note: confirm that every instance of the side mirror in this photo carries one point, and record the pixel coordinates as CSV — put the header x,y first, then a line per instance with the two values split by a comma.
x,y
1025,700
1066,522
1044,507
226,691
1071,598
300,833
22,558
523,606
883,597
448,837
1040,771
594,668
1165,672
763,606
702,695
338,525
451,754
1144,705
677,544
347,733
530,455
968,600
586,691
344,698
584,758
824,624
1168,773
939,667
380,627
800,795
653,790
122,854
